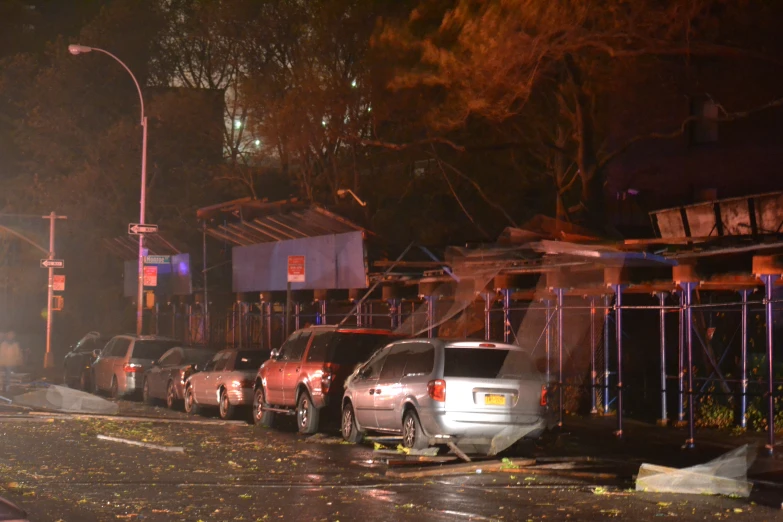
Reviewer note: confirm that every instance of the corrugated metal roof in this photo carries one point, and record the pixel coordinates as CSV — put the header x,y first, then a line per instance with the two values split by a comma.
x,y
127,247
248,222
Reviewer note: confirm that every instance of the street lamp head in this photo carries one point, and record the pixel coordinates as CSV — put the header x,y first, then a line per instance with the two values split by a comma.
x,y
75,49
341,192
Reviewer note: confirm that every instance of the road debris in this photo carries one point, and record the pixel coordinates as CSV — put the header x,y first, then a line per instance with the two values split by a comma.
x,y
461,469
726,475
173,449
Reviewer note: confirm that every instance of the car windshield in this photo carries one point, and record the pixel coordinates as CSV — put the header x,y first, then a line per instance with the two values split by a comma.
x,y
152,349
350,348
486,363
248,360
195,356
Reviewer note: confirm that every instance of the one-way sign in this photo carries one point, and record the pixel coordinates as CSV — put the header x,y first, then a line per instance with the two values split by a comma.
x,y
136,229
52,263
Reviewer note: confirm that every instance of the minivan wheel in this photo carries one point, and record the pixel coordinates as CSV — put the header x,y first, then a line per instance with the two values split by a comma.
x,y
412,434
261,417
306,414
190,402
145,393
114,391
226,408
350,431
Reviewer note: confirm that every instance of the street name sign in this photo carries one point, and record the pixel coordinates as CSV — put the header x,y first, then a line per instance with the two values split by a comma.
x,y
157,260
137,229
52,263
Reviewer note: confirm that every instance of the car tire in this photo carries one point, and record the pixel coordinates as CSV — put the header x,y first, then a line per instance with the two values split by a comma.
x,y
348,427
114,389
306,414
85,382
171,396
145,393
225,408
191,406
261,417
412,434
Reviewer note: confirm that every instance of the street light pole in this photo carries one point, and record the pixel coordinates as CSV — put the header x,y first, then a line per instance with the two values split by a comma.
x,y
79,49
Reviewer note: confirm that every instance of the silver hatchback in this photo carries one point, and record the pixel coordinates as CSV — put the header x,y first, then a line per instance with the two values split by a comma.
x,y
481,396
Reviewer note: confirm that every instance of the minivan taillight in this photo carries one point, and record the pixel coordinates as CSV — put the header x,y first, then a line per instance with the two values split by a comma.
x,y
132,368
327,377
543,395
437,390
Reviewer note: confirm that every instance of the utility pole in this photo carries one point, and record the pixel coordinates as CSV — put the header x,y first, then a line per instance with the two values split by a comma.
x,y
49,357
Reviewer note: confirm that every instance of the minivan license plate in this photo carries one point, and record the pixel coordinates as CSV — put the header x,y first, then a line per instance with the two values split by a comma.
x,y
495,400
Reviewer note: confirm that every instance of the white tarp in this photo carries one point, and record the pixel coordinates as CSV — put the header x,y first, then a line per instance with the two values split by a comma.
x,y
726,475
60,398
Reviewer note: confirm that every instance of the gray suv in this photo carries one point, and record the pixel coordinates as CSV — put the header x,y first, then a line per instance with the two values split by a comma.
x,y
120,366
481,396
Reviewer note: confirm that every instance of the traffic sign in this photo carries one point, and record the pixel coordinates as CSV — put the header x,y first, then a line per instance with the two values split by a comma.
x,y
52,263
157,260
151,275
58,303
136,229
296,269
58,283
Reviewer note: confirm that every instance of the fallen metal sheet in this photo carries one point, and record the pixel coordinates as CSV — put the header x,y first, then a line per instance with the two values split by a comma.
x,y
62,399
726,475
462,469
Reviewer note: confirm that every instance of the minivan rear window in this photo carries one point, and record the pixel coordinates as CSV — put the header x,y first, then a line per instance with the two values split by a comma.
x,y
152,349
486,363
346,348
250,360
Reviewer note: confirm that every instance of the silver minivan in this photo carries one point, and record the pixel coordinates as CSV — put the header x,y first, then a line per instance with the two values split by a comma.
x,y
120,366
481,396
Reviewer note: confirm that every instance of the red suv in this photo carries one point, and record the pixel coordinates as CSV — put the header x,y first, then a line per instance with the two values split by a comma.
x,y
308,373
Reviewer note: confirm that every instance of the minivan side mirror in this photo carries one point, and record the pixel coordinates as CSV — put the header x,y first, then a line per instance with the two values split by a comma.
x,y
96,353
274,354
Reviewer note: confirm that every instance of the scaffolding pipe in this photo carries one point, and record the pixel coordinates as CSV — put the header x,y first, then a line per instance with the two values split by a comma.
x,y
506,315
359,314
547,345
593,372
268,325
618,322
769,281
681,361
392,313
687,288
607,311
560,292
430,300
744,360
664,414
487,317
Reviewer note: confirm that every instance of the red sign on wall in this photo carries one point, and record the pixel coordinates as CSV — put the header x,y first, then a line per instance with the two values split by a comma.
x,y
151,275
296,269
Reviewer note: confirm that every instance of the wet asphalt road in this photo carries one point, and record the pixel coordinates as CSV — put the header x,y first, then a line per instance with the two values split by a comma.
x,y
57,469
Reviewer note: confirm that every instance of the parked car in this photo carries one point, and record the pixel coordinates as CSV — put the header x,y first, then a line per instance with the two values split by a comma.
x,y
10,512
121,364
77,364
225,382
308,373
166,378
432,391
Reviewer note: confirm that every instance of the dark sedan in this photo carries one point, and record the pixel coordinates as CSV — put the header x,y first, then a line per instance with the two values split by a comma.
x,y
166,378
77,363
